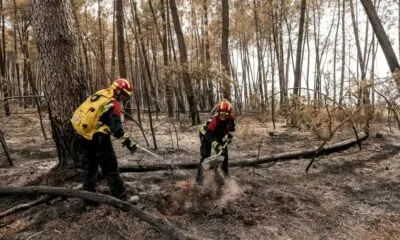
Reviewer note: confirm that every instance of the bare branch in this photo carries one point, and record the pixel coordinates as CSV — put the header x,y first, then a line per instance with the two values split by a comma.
x,y
160,223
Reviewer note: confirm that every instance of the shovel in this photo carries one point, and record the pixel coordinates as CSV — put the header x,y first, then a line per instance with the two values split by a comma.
x,y
213,160
149,152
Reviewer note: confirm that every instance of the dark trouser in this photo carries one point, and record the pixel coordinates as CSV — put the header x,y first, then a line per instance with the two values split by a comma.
x,y
100,152
205,152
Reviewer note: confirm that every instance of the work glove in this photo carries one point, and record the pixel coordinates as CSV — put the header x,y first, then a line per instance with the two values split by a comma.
x,y
129,144
217,146
228,138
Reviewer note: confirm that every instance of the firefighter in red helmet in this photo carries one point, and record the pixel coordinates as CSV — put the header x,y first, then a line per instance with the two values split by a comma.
x,y
95,120
214,134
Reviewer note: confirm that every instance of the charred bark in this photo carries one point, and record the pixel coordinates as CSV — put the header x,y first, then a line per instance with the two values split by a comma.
x,y
64,84
184,59
226,85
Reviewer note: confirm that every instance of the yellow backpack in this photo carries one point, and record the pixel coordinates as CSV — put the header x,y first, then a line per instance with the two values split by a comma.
x,y
85,119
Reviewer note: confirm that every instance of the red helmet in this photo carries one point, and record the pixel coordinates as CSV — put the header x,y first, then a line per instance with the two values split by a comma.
x,y
123,85
224,106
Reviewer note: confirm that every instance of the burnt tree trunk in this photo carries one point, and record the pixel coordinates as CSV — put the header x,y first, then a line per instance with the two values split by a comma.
x,y
226,85
383,40
210,91
104,81
64,84
360,57
251,162
143,57
112,64
183,59
341,91
164,43
297,76
119,14
120,39
4,83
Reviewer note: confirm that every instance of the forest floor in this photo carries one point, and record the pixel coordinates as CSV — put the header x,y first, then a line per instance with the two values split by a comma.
x,y
347,195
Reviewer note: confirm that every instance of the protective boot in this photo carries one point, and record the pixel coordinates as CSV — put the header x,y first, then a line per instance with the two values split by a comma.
x,y
200,174
225,171
218,177
224,166
131,199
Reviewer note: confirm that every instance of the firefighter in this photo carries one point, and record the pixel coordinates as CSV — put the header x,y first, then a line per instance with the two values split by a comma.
x,y
214,134
95,120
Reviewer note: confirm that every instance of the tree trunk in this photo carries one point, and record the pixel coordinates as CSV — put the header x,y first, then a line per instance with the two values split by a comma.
x,y
317,79
259,54
210,95
153,46
204,64
335,54
4,83
138,85
372,72
343,55
64,86
383,40
104,82
172,54
244,74
359,54
87,69
142,55
251,162
119,12
226,85
273,57
16,67
120,39
5,149
112,67
183,58
297,77
278,45
164,43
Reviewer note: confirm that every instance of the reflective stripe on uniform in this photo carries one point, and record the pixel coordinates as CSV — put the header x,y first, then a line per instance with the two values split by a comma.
x,y
106,107
204,126
215,144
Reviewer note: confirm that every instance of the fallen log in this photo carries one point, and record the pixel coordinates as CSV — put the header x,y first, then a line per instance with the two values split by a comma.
x,y
160,223
327,149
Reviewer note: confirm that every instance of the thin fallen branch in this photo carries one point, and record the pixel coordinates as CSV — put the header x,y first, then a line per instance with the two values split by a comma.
x,y
331,134
160,223
31,204
356,133
25,206
325,150
5,148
